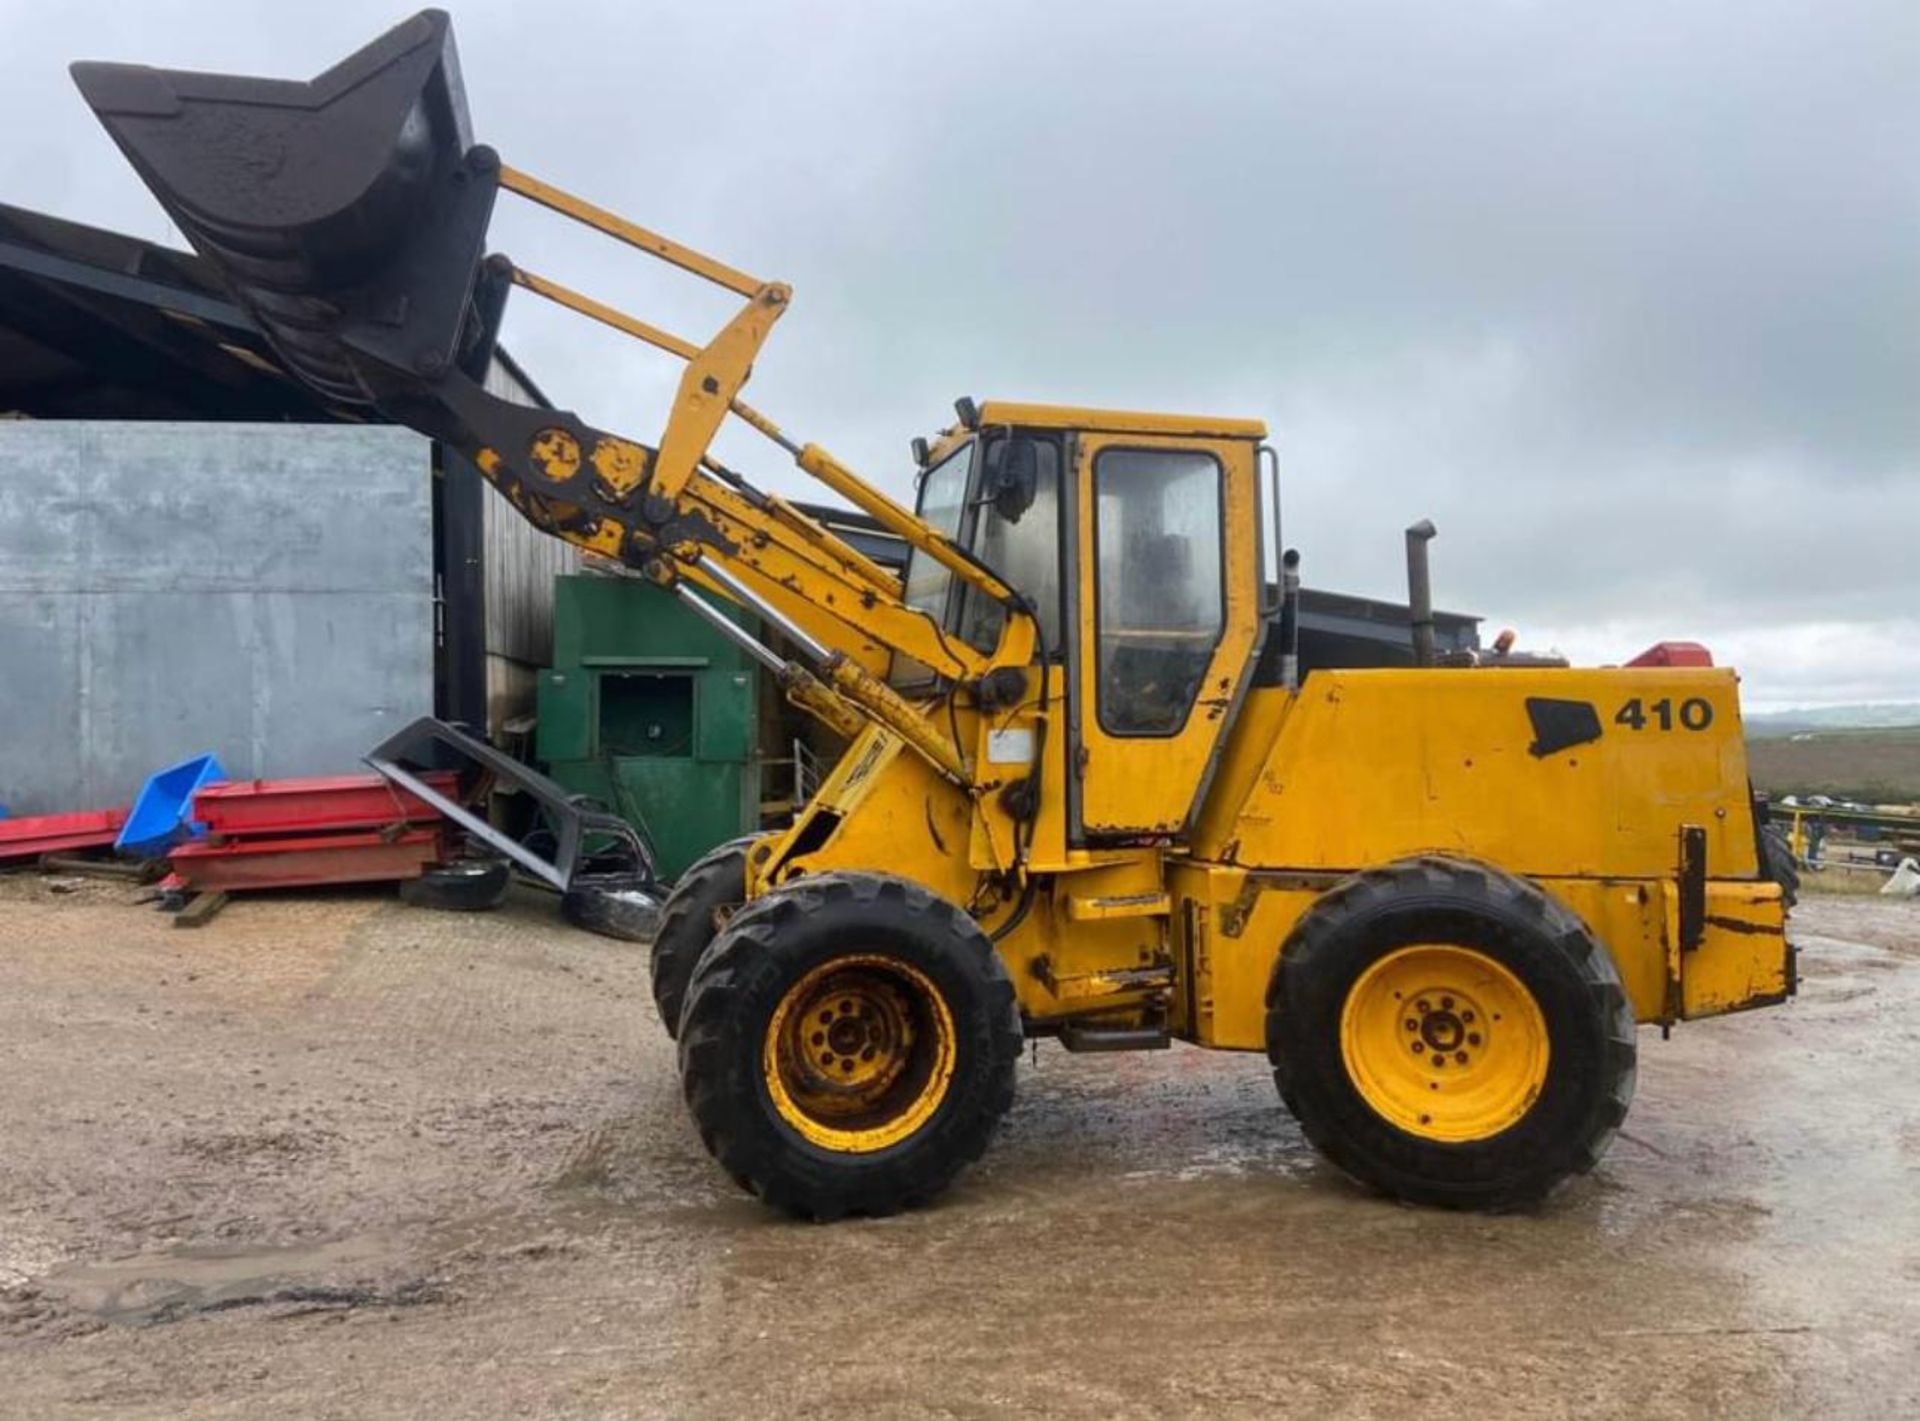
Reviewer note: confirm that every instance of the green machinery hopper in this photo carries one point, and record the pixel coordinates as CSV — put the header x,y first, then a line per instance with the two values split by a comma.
x,y
651,711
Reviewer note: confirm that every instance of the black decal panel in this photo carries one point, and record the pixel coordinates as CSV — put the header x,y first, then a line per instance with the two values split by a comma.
x,y
1560,725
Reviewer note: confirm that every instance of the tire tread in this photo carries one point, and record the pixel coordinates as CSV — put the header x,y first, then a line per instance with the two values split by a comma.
x,y
742,1138
1427,883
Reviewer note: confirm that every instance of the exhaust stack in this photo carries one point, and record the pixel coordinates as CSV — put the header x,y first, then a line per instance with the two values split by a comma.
x,y
1420,590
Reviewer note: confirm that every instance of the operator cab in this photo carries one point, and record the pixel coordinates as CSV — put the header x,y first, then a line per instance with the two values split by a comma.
x,y
1136,537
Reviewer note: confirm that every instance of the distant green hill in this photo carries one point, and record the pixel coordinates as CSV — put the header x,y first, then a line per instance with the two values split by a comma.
x,y
1877,716
1875,766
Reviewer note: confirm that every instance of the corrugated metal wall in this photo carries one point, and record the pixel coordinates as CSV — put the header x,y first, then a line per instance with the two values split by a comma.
x,y
263,591
521,564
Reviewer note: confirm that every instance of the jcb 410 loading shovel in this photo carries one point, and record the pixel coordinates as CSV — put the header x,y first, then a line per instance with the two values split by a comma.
x,y
1086,793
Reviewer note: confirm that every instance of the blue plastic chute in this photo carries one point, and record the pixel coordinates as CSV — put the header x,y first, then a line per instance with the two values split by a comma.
x,y
162,815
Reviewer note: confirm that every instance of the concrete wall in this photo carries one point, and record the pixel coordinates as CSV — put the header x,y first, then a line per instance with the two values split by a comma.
x,y
261,591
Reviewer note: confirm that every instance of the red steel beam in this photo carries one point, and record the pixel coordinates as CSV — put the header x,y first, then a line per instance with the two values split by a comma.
x,y
321,802
306,861
33,835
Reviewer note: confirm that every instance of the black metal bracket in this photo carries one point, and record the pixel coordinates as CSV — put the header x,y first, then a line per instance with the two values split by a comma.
x,y
1693,886
574,824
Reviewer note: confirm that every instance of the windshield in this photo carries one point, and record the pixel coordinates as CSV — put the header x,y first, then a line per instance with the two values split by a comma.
x,y
1024,549
929,585
943,498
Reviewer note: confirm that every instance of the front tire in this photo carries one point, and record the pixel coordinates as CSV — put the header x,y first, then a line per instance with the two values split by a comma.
x,y
848,1045
1448,1034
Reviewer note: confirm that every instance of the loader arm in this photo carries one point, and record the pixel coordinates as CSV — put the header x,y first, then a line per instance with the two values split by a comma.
x,y
349,215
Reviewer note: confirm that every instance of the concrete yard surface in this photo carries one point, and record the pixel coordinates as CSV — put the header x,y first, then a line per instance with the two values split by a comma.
x,y
334,1156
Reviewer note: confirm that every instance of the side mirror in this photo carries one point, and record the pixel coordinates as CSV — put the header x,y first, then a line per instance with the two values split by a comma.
x,y
1011,479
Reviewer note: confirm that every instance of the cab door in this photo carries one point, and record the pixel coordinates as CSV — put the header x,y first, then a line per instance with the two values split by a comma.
x,y
1165,624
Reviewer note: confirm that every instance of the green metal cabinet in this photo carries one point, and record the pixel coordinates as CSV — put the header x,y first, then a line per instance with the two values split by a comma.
x,y
652,711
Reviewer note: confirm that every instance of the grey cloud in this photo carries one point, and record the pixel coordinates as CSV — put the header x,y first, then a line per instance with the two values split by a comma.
x,y
1627,297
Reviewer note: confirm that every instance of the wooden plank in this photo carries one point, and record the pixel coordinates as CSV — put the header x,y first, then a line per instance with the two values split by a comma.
x,y
201,911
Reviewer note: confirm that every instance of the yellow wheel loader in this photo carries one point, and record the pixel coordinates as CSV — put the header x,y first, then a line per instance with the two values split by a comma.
x,y
1086,794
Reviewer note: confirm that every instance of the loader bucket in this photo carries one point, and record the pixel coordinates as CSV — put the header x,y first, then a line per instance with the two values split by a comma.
x,y
347,214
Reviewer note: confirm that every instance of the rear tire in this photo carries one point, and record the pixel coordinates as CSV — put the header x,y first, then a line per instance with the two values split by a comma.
x,y
1448,1034
1777,862
848,1045
699,906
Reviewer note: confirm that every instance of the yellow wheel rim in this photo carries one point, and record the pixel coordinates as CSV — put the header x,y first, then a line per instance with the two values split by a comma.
x,y
1444,1042
859,1053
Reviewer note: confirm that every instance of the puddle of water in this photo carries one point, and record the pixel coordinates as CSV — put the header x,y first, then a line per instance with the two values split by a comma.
x,y
165,1286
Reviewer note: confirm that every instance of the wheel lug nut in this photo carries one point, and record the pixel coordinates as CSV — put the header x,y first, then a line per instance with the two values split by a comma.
x,y
1424,1006
1412,1025
819,1038
1473,1038
1418,1047
1460,1057
1438,1060
1446,1004
1467,1015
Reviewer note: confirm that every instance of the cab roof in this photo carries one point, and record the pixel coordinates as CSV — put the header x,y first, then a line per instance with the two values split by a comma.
x,y
1119,421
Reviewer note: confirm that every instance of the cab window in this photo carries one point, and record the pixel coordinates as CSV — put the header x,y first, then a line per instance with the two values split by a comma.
x,y
1160,602
1023,550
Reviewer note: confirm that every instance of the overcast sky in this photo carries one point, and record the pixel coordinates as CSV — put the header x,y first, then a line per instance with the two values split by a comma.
x,y
1625,297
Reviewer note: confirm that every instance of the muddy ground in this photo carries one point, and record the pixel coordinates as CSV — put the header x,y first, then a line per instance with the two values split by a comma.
x,y
340,1157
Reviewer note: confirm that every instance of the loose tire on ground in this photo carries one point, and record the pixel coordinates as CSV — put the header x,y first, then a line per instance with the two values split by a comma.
x,y
622,910
848,1045
463,886
701,902
1442,958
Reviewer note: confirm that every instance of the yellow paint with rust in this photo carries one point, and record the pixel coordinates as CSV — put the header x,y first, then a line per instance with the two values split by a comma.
x,y
1146,784
1743,959
885,809
606,538
1077,417
881,808
621,464
859,1053
1236,921
1364,767
555,453
900,716
708,386
632,233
